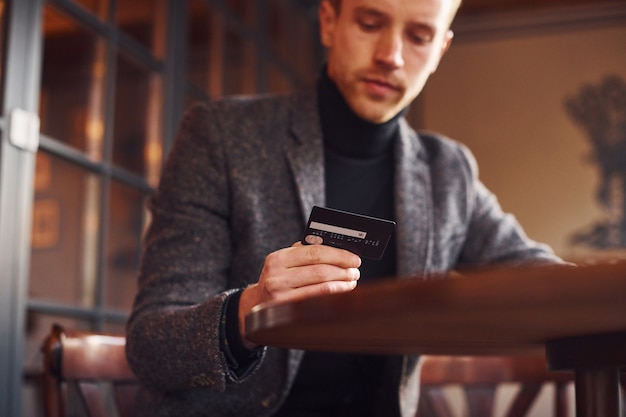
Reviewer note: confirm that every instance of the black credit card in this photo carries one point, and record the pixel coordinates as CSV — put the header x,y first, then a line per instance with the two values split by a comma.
x,y
366,236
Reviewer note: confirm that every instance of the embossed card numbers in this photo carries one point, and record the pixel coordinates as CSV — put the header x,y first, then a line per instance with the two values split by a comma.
x,y
366,236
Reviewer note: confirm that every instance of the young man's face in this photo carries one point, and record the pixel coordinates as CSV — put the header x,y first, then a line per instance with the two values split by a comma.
x,y
381,52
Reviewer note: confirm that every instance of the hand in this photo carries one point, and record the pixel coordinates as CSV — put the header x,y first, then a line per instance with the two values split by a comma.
x,y
300,271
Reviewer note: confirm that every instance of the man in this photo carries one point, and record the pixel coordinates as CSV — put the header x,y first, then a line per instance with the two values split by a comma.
x,y
235,194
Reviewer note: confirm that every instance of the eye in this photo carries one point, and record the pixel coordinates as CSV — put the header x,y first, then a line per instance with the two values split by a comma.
x,y
369,20
369,25
420,37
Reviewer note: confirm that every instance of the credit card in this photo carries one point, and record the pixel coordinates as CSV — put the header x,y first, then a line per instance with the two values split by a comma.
x,y
366,236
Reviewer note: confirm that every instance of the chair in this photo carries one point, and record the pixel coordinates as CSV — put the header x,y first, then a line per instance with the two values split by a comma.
x,y
479,378
88,371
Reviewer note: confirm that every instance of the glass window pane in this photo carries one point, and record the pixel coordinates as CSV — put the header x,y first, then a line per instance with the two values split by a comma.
x,y
127,216
292,35
145,21
278,82
205,33
240,64
3,15
64,236
245,11
97,7
193,96
63,254
220,60
71,99
137,128
118,328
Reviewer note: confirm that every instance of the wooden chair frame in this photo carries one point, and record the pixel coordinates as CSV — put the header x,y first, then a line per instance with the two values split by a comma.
x,y
83,363
479,378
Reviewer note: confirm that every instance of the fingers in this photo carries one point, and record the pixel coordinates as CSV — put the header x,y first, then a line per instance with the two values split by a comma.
x,y
299,255
301,271
308,265
307,270
306,275
323,288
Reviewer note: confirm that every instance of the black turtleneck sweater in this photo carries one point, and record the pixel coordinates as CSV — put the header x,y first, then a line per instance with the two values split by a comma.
x,y
359,178
359,171
359,166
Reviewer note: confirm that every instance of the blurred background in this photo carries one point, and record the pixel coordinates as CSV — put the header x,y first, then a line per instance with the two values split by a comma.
x,y
536,88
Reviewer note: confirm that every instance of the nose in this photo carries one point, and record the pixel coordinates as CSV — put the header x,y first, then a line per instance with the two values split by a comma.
x,y
389,51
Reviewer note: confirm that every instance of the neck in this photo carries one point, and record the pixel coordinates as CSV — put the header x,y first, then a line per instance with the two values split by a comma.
x,y
345,132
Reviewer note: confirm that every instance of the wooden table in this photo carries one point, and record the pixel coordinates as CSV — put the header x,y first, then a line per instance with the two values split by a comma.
x,y
577,315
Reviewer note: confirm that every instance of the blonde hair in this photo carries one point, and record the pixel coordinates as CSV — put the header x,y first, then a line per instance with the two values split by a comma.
x,y
455,7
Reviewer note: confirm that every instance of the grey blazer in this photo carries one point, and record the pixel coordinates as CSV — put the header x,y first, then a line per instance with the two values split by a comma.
x,y
238,184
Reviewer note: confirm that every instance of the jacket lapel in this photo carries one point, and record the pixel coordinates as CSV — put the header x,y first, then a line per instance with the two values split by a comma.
x,y
305,152
413,205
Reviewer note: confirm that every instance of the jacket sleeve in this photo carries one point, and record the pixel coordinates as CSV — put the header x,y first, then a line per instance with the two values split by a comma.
x,y
493,236
175,332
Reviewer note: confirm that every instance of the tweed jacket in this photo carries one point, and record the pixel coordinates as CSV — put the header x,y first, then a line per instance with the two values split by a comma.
x,y
238,184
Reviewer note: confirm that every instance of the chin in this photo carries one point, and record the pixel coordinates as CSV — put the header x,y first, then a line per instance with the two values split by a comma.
x,y
374,109
375,115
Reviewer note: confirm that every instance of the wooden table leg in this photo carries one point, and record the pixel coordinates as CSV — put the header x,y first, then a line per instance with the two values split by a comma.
x,y
596,360
597,392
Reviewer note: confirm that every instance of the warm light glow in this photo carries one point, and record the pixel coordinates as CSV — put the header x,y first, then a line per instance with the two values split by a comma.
x,y
153,149
99,339
94,130
153,152
98,70
94,125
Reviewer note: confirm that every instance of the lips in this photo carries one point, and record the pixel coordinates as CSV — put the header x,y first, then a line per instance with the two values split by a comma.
x,y
382,83
377,87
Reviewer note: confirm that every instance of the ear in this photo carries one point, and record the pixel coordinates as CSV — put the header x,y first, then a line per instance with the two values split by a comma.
x,y
447,41
328,18
445,45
